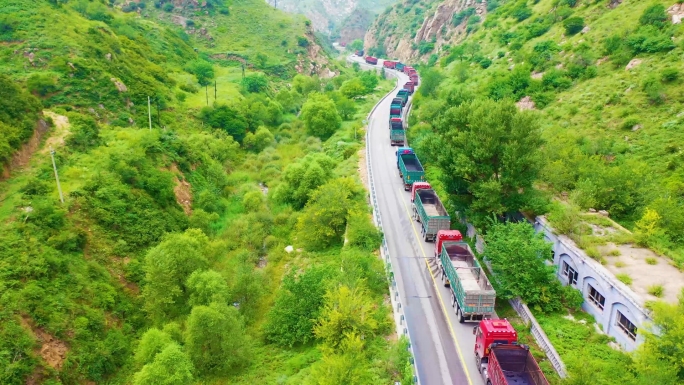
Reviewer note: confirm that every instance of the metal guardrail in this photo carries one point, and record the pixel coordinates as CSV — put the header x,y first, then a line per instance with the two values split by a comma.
x,y
539,336
395,297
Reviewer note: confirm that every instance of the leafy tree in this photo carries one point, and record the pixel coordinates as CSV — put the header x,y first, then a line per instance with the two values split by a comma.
x,y
349,366
216,340
521,12
356,45
297,306
517,255
655,15
152,342
206,287
167,267
430,80
226,118
490,157
369,80
288,99
346,108
170,367
300,179
248,289
346,312
258,141
203,71
320,116
353,88
323,222
573,25
255,83
304,85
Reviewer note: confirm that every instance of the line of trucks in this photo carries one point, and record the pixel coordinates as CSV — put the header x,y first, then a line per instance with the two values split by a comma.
x,y
500,358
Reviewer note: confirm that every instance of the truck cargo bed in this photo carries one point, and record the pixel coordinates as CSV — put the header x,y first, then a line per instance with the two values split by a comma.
x,y
465,274
431,210
412,164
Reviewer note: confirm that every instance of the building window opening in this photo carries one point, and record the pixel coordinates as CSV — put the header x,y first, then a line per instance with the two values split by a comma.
x,y
626,325
596,298
570,274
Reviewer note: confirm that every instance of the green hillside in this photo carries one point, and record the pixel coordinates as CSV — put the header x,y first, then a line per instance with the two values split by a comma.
x,y
559,107
327,15
168,261
610,127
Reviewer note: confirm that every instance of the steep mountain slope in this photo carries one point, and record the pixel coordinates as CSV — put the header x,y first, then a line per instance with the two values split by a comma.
x,y
326,15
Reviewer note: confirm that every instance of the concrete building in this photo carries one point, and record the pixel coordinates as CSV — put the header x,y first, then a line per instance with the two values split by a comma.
x,y
618,310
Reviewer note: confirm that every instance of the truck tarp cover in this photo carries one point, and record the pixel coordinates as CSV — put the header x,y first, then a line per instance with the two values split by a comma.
x,y
518,366
412,163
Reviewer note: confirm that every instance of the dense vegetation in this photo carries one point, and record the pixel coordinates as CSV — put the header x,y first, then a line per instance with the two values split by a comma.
x,y
231,243
603,87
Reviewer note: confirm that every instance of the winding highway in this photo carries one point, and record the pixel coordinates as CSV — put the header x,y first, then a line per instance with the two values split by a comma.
x,y
442,346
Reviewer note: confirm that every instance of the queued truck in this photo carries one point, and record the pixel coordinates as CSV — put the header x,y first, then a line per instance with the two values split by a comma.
x,y
399,66
396,107
404,95
410,86
414,78
410,169
429,211
371,60
389,64
359,53
472,295
397,132
500,359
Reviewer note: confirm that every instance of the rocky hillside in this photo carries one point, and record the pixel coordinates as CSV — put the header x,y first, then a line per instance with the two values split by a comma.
x,y
410,30
328,15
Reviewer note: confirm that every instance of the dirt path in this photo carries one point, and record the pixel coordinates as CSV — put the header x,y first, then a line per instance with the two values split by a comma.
x,y
62,129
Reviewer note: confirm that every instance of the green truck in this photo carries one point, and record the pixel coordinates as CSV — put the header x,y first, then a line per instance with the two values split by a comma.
x,y
404,95
472,295
429,211
410,169
397,132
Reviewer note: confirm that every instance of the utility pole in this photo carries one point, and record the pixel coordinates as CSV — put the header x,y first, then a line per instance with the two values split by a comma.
x,y
149,112
54,166
214,90
206,93
243,70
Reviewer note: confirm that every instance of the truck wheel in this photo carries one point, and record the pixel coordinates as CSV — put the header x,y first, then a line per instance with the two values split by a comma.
x,y
425,238
478,362
461,319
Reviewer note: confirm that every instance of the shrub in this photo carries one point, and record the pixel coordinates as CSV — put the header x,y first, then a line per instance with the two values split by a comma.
x,y
302,41
573,25
669,75
656,290
168,7
630,122
654,15
614,253
41,84
652,261
650,40
654,90
189,88
624,278
485,63
362,233
521,13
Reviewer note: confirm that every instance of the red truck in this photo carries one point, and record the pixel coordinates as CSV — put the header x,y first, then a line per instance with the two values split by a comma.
x,y
414,78
500,359
389,64
409,70
371,60
410,86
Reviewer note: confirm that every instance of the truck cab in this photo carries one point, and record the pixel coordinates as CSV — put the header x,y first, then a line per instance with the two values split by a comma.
x,y
446,235
419,186
490,332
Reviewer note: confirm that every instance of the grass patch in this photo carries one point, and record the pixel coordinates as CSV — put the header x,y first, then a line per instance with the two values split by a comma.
x,y
656,290
615,253
624,278
620,264
652,261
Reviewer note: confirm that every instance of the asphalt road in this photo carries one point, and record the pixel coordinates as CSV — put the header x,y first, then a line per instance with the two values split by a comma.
x,y
443,347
